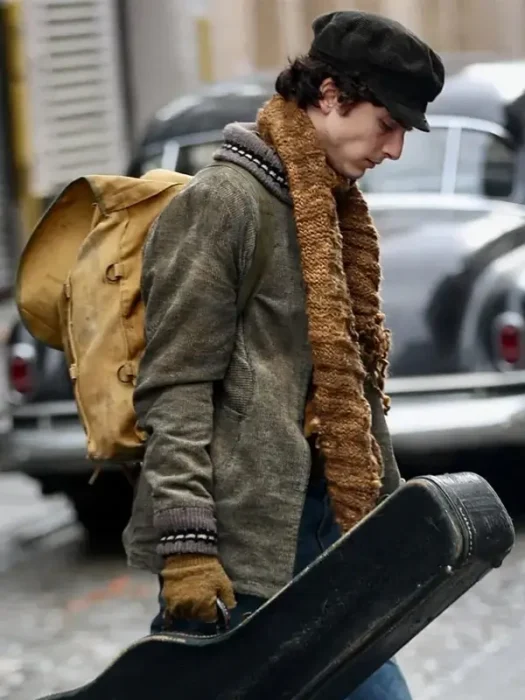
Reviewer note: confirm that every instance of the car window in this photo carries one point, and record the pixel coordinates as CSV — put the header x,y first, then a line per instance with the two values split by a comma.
x,y
193,158
420,168
486,165
151,163
148,157
186,159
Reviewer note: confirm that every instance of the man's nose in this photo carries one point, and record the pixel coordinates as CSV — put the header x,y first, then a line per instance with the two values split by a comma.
x,y
394,147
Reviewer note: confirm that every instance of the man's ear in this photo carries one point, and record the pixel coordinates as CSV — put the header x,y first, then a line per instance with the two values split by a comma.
x,y
329,96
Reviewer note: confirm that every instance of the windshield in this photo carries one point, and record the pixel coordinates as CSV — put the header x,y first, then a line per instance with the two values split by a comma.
x,y
472,162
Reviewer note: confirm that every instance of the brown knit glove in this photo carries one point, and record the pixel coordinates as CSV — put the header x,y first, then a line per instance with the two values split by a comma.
x,y
192,584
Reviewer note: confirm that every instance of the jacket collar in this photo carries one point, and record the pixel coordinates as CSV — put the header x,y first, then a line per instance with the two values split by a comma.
x,y
243,146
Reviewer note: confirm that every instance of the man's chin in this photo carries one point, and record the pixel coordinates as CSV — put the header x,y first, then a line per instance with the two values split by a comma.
x,y
350,172
354,171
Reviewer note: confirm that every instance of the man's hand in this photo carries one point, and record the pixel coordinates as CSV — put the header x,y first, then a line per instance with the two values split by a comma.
x,y
192,584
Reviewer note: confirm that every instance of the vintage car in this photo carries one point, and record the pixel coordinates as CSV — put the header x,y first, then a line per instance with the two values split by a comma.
x,y
451,214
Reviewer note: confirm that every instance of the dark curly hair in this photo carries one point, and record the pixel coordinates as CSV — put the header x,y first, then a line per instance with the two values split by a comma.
x,y
301,82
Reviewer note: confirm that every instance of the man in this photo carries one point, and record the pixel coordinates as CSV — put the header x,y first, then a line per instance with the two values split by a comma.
x,y
267,434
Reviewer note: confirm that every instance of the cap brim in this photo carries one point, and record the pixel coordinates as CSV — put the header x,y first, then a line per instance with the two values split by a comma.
x,y
409,117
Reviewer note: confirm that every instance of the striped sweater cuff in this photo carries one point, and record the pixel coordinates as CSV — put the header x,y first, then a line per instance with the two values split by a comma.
x,y
186,531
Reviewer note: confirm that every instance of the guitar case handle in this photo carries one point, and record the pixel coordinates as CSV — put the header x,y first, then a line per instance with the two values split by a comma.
x,y
223,616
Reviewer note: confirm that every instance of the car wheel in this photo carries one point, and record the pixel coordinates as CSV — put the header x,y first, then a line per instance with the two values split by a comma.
x,y
103,508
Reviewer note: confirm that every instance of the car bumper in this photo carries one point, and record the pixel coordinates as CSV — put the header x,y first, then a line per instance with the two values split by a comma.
x,y
46,450
46,439
457,412
428,414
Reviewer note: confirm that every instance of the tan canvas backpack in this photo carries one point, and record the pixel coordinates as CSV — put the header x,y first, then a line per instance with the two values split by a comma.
x,y
78,290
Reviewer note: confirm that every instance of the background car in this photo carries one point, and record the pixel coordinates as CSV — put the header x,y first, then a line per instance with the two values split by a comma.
x,y
451,216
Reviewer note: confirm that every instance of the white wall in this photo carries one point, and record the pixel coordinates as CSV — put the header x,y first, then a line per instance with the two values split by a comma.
x,y
163,59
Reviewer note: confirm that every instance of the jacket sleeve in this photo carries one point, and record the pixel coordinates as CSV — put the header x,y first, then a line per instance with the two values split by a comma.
x,y
391,476
192,262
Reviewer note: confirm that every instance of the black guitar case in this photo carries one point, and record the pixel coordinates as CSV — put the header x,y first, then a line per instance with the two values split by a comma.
x,y
340,619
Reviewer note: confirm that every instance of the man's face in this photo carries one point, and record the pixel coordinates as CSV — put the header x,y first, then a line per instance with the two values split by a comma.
x,y
355,137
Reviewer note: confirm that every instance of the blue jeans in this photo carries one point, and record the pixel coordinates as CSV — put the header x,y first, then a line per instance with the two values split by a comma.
x,y
317,531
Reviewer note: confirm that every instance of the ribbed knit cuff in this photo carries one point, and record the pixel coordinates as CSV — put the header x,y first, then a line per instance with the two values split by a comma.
x,y
186,531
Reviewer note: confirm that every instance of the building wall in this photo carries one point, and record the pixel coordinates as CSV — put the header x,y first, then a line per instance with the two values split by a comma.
x,y
266,32
75,114
168,51
6,259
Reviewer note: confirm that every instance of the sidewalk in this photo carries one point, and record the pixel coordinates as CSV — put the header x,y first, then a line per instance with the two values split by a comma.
x,y
26,515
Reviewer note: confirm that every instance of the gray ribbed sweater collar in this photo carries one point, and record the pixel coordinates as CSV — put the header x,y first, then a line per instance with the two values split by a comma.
x,y
243,146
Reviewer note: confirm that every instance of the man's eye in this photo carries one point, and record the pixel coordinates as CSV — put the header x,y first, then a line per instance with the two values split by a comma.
x,y
386,127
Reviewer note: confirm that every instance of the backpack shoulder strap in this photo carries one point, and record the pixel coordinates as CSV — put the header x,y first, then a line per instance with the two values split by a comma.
x,y
264,240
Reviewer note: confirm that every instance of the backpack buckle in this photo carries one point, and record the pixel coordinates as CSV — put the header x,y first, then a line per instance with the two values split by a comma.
x,y
114,272
126,374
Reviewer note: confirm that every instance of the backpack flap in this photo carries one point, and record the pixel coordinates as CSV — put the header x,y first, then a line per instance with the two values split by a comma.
x,y
48,257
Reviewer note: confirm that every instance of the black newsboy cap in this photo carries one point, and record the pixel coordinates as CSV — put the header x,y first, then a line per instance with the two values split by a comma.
x,y
400,70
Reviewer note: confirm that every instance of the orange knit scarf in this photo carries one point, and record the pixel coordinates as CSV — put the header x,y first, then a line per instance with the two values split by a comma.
x,y
340,264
